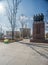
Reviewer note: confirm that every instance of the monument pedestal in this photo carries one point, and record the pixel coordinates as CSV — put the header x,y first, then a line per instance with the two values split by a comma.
x,y
39,29
39,41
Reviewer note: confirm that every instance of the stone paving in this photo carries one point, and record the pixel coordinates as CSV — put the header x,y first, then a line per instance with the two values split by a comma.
x,y
18,53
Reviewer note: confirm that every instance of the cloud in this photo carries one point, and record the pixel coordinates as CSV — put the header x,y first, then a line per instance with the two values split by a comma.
x,y
22,17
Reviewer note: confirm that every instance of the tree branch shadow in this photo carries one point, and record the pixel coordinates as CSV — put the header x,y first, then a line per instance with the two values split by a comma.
x,y
37,45
39,53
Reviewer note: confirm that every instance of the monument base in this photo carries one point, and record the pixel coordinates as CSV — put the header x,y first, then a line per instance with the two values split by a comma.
x,y
39,40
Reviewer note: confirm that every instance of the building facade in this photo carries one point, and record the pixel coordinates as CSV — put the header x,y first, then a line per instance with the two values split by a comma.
x,y
16,34
25,32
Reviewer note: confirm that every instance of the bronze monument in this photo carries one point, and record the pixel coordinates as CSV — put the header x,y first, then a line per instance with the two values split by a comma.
x,y
38,27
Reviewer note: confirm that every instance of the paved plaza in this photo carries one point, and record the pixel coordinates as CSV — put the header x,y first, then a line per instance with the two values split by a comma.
x,y
20,53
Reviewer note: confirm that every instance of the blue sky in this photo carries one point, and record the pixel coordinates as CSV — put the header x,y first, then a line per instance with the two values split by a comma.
x,y
26,7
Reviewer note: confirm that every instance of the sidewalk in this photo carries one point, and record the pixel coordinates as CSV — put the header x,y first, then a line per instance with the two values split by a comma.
x,y
27,42
21,54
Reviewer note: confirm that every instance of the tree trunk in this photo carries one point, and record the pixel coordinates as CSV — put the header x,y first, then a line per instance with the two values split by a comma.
x,y
12,35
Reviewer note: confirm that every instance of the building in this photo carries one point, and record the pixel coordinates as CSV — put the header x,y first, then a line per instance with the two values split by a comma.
x,y
16,34
25,32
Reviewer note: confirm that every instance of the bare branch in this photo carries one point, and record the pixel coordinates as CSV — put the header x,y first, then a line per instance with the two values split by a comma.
x,y
12,12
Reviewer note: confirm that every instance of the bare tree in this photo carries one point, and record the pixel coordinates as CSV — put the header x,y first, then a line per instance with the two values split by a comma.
x,y
11,9
23,21
22,17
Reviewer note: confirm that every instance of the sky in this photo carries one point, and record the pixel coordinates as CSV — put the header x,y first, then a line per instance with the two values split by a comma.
x,y
26,7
